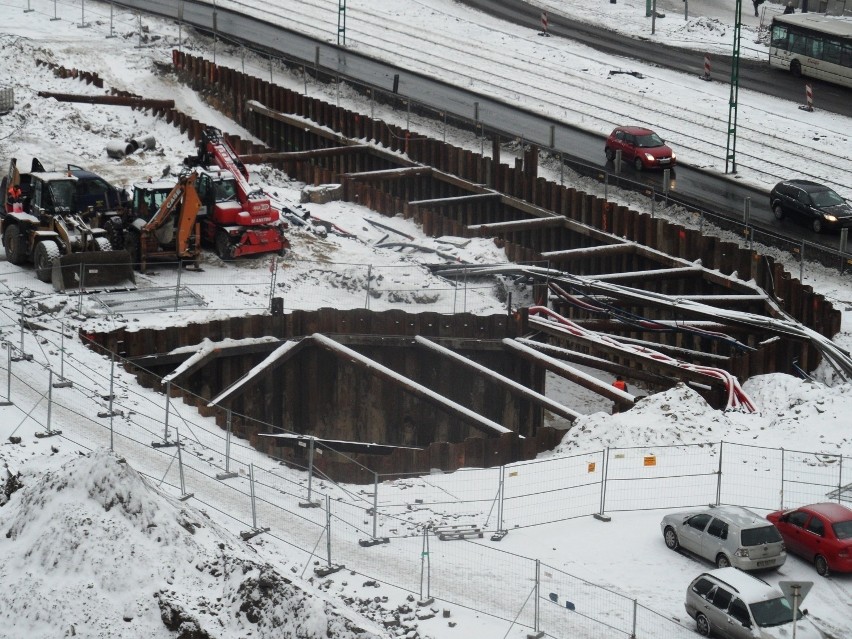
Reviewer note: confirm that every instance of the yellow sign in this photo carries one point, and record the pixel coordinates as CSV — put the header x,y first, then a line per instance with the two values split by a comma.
x,y
591,467
650,460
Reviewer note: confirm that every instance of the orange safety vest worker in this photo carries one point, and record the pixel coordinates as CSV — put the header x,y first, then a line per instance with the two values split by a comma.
x,y
14,193
620,384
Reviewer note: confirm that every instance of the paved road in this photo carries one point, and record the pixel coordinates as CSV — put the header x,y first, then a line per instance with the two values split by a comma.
x,y
756,76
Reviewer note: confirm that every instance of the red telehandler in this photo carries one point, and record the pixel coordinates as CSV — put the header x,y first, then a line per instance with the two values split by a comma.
x,y
235,219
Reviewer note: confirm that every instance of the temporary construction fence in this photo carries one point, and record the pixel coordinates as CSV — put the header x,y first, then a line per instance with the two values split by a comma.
x,y
390,530
298,284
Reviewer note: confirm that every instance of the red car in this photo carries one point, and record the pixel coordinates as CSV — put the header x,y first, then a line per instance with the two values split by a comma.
x,y
821,533
641,147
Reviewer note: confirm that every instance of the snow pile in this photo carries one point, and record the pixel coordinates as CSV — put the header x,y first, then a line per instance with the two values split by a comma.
x,y
677,416
92,549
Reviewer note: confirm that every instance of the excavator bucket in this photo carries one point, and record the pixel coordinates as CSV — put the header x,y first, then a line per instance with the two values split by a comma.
x,y
89,271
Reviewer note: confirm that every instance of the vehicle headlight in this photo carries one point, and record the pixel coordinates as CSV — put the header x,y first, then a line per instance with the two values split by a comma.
x,y
674,157
649,157
742,552
829,218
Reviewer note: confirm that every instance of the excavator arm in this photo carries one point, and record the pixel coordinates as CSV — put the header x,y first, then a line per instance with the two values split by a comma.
x,y
175,202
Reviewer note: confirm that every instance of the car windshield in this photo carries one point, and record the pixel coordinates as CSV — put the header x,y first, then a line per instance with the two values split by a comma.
x,y
762,535
649,141
826,198
842,529
773,612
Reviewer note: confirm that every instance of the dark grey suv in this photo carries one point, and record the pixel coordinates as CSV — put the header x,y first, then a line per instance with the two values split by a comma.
x,y
815,204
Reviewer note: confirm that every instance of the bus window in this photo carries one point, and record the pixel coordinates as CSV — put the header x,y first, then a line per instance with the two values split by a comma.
x,y
815,48
779,36
846,56
832,52
798,43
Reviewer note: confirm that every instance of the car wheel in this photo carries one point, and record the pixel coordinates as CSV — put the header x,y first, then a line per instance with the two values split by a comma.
x,y
671,538
796,68
816,225
821,566
722,561
610,154
778,211
637,164
702,625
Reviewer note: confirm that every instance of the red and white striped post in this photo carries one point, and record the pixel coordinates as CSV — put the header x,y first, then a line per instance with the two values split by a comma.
x,y
809,99
706,75
544,24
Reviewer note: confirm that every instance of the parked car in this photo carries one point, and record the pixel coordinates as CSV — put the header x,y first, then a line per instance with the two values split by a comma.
x,y
95,192
820,533
727,536
815,204
641,147
733,604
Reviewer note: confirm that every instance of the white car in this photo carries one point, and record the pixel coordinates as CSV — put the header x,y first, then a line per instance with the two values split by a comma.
x,y
732,604
727,536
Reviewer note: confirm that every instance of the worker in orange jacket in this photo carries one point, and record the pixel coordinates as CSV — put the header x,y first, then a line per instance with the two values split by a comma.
x,y
620,384
13,193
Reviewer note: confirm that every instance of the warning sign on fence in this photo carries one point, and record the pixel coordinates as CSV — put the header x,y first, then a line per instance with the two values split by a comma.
x,y
650,460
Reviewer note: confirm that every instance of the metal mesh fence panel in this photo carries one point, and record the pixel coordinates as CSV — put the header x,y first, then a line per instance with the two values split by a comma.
x,y
651,624
810,478
464,497
751,476
495,582
544,491
660,477
573,607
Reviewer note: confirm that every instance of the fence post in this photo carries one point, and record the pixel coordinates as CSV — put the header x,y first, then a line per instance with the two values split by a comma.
x,y
425,571
839,478
537,633
783,457
802,263
227,474
310,503
330,568
177,285
273,276
110,412
83,24
8,401
48,431
62,383
183,494
719,474
367,298
255,531
55,15
600,516
844,240
166,442
635,608
111,29
501,530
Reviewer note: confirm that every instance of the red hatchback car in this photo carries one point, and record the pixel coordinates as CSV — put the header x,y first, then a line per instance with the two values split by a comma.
x,y
641,147
821,533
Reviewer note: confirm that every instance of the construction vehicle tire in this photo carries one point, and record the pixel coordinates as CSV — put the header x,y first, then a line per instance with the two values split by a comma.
x,y
133,246
115,233
13,243
223,246
45,253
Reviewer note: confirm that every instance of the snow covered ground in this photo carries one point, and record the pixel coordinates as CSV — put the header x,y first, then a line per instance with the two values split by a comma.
x,y
94,549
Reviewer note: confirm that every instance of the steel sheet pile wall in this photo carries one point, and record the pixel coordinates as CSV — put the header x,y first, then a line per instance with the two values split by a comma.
x,y
391,197
298,396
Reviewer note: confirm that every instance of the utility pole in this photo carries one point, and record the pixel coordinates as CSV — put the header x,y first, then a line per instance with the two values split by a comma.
x,y
731,150
341,21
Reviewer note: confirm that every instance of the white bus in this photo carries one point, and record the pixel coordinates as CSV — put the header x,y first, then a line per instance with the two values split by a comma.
x,y
814,45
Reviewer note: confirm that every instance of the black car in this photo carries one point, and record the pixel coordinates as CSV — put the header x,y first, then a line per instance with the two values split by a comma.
x,y
816,204
95,192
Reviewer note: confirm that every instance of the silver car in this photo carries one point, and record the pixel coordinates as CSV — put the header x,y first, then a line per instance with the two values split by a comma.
x,y
732,604
727,536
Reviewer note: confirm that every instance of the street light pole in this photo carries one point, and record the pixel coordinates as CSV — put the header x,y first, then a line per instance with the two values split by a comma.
x,y
731,150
